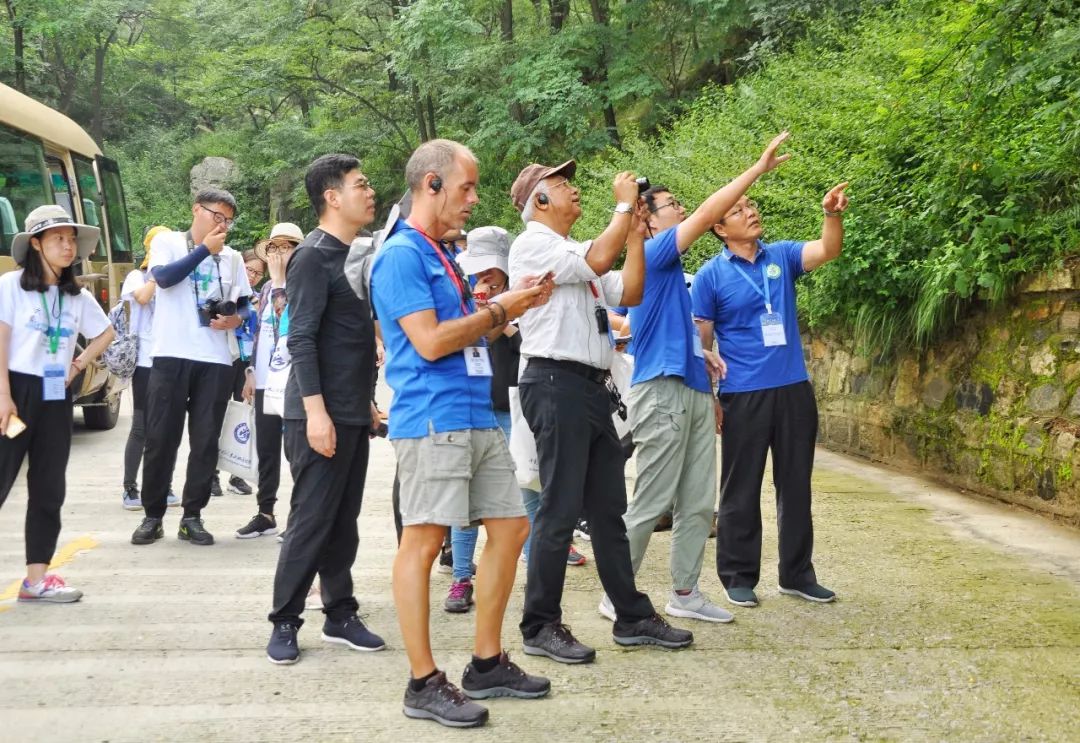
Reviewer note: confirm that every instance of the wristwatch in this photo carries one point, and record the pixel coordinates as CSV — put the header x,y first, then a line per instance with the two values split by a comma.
x,y
623,207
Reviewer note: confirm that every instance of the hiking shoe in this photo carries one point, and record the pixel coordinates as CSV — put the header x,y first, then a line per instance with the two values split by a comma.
x,y
582,530
352,632
259,526
575,558
50,590
282,648
459,599
504,680
446,561
695,605
664,523
606,608
444,703
741,596
192,530
215,487
556,642
652,630
148,532
172,500
281,536
239,486
132,501
813,592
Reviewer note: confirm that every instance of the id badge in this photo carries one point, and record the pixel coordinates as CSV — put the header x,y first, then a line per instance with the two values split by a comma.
x,y
54,379
699,351
477,361
772,329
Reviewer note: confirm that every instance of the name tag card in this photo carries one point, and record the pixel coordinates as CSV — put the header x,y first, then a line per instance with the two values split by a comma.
x,y
699,351
772,329
477,361
54,379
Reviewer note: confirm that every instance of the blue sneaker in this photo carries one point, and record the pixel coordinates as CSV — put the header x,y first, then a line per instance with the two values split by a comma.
x,y
741,596
132,501
172,500
282,649
352,632
812,592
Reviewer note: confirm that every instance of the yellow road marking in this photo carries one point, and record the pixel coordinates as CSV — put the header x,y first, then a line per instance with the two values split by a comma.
x,y
63,556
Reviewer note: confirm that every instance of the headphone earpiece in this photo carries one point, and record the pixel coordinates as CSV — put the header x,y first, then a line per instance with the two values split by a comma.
x,y
542,198
436,184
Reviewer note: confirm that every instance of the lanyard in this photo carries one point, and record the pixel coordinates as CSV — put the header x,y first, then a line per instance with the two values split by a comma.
x,y
453,273
53,335
764,280
206,282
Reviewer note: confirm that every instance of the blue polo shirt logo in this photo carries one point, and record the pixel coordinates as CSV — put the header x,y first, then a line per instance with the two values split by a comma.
x,y
773,271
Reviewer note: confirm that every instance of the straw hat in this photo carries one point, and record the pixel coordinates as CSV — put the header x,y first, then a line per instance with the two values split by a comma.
x,y
48,217
282,230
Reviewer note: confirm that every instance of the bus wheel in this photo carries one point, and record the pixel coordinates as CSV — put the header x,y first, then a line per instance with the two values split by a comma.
x,y
103,417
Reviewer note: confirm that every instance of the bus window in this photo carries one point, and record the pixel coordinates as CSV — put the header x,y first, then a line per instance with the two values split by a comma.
x,y
61,188
91,199
24,183
115,209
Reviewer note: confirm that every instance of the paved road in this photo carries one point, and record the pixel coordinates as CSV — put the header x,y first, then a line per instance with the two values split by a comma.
x,y
958,620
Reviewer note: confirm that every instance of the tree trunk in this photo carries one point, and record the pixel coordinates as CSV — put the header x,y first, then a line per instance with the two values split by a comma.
x,y
418,108
19,44
506,20
601,18
431,116
560,10
97,121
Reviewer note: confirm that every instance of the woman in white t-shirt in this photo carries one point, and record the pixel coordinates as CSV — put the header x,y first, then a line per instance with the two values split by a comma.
x,y
42,313
138,290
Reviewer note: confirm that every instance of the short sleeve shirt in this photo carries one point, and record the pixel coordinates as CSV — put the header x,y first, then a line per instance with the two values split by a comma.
x,y
662,325
729,292
407,277
142,316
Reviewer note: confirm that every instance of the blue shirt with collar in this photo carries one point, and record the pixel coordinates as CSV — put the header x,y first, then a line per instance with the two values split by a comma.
x,y
407,276
662,325
723,295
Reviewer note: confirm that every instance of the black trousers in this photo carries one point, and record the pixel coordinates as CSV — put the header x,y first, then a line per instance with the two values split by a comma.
x,y
47,443
179,386
136,441
785,420
322,536
268,446
581,464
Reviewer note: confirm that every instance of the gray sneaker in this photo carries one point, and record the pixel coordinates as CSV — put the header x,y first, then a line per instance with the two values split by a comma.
x,y
813,592
444,703
695,605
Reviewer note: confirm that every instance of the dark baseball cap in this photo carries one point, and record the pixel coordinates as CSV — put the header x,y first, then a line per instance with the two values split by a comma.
x,y
531,175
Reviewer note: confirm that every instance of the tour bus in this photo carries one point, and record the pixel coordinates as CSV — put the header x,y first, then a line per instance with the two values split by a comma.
x,y
46,158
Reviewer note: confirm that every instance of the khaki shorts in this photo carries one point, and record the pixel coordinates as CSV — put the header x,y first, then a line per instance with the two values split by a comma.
x,y
457,478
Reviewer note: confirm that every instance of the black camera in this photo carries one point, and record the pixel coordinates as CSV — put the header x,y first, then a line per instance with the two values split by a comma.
x,y
215,308
642,185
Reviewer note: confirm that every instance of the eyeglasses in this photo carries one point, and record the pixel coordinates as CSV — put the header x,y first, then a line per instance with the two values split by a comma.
x,y
362,183
673,203
751,205
279,247
219,218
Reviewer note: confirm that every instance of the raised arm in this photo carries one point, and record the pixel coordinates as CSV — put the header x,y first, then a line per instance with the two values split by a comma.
x,y
819,252
606,248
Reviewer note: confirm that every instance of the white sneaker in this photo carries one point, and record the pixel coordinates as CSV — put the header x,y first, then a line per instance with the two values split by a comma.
x,y
51,590
606,608
695,605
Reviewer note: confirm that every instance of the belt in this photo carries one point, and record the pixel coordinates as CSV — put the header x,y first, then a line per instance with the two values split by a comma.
x,y
599,376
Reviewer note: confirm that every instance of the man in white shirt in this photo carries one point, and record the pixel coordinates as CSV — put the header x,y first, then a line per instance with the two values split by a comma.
x,y
567,347
202,297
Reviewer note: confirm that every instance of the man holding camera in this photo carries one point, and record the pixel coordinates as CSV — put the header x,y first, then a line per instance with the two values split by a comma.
x,y
566,400
202,297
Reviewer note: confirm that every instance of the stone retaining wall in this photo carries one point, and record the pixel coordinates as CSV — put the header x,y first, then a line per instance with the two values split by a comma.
x,y
994,408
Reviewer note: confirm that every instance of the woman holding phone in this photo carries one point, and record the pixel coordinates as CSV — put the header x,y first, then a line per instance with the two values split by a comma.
x,y
42,313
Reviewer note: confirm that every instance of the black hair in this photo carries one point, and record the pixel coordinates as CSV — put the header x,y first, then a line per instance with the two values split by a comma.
x,y
215,196
650,193
327,172
33,277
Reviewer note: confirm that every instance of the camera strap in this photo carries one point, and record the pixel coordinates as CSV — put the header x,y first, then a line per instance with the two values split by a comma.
x,y
194,277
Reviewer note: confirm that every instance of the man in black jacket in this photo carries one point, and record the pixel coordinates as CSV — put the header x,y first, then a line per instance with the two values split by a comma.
x,y
328,414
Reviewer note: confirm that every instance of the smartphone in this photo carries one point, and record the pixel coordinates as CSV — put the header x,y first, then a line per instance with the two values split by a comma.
x,y
15,426
622,340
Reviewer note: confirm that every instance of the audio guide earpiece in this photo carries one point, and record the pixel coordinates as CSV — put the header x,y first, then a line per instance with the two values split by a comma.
x,y
542,198
436,184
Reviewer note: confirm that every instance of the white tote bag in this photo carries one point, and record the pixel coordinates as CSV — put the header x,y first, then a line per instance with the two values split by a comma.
x,y
277,378
236,445
523,446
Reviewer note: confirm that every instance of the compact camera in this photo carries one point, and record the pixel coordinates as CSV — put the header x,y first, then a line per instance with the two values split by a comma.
x,y
642,185
215,308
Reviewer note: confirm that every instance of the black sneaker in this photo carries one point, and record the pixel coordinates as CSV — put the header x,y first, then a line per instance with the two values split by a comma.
x,y
444,703
446,560
652,631
504,680
582,530
215,487
282,648
352,632
239,486
192,530
149,531
259,526
556,642
131,499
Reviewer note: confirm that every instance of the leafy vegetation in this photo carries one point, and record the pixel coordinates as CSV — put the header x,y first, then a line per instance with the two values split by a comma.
x,y
956,122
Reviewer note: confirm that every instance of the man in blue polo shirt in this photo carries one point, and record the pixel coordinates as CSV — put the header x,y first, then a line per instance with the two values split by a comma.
x,y
671,402
745,299
453,461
